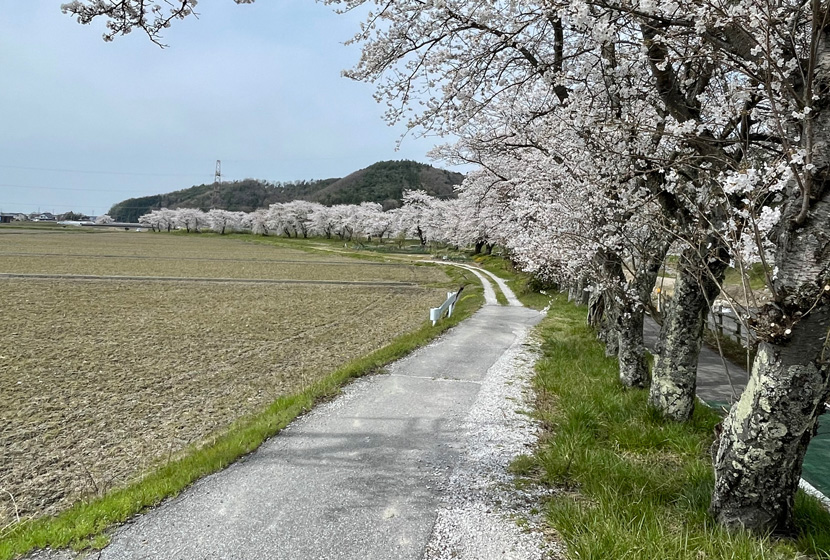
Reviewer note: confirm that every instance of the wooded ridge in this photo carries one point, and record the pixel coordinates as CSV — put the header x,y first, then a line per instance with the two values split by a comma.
x,y
382,182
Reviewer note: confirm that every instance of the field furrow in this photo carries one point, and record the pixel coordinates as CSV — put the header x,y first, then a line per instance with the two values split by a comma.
x,y
103,379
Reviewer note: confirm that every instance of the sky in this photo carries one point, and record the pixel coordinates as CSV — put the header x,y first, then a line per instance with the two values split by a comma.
x,y
85,124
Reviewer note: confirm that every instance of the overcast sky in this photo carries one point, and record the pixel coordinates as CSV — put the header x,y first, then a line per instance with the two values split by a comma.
x,y
86,123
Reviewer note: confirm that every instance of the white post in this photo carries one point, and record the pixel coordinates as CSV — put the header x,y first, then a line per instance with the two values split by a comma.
x,y
435,313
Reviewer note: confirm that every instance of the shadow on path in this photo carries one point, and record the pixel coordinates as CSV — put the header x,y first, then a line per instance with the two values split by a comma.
x,y
359,477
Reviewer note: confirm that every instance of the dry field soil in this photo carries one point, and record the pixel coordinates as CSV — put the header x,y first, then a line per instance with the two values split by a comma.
x,y
104,378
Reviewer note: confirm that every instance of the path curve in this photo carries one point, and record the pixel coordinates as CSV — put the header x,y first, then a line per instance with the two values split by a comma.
x,y
512,300
374,474
489,293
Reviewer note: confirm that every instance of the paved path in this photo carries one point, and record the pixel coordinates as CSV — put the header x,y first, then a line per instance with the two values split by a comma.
x,y
484,275
719,381
359,477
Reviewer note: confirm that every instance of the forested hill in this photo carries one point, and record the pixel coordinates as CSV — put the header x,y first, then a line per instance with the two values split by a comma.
x,y
383,182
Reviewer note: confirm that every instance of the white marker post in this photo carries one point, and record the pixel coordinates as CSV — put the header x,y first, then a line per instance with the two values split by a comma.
x,y
435,313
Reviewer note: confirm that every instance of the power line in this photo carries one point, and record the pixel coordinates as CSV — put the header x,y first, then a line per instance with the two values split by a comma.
x,y
67,188
92,172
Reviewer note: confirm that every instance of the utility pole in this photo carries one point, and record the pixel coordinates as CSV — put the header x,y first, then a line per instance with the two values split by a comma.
x,y
217,178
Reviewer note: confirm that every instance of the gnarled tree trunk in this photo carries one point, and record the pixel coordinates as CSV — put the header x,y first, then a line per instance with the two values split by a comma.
x,y
765,435
674,377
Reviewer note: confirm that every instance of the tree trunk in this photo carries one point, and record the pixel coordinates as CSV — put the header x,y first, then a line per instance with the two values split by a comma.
x,y
632,350
674,377
577,292
596,310
765,435
601,316
421,236
572,291
610,333
478,246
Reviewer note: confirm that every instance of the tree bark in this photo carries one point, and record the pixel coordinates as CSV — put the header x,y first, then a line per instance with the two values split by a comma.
x,y
632,348
572,291
611,271
596,310
765,435
610,333
421,235
674,377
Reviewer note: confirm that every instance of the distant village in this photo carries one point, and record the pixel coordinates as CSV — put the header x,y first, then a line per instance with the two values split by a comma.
x,y
8,217
65,219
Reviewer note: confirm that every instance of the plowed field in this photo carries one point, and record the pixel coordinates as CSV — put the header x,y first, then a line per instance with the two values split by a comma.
x,y
102,379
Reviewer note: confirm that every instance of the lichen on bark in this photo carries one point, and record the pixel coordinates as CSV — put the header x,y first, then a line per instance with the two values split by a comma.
x,y
674,376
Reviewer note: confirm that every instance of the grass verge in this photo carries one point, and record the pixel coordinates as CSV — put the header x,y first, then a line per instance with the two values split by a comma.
x,y
85,524
632,484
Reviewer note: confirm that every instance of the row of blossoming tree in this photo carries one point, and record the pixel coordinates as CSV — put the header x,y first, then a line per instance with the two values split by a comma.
x,y
421,216
608,131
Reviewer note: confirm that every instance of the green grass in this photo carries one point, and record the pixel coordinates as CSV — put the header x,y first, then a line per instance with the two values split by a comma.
x,y
754,275
86,524
633,485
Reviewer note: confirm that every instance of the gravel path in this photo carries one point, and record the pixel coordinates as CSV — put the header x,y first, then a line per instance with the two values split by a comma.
x,y
481,505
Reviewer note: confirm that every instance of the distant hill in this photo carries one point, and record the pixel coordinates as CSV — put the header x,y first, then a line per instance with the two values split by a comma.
x,y
382,182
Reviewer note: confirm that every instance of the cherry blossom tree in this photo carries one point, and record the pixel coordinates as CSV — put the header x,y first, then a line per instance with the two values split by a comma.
x,y
159,220
279,219
415,214
123,16
298,216
323,221
259,221
223,220
192,219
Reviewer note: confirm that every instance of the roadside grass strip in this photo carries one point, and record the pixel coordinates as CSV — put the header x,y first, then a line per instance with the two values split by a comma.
x,y
88,523
630,485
